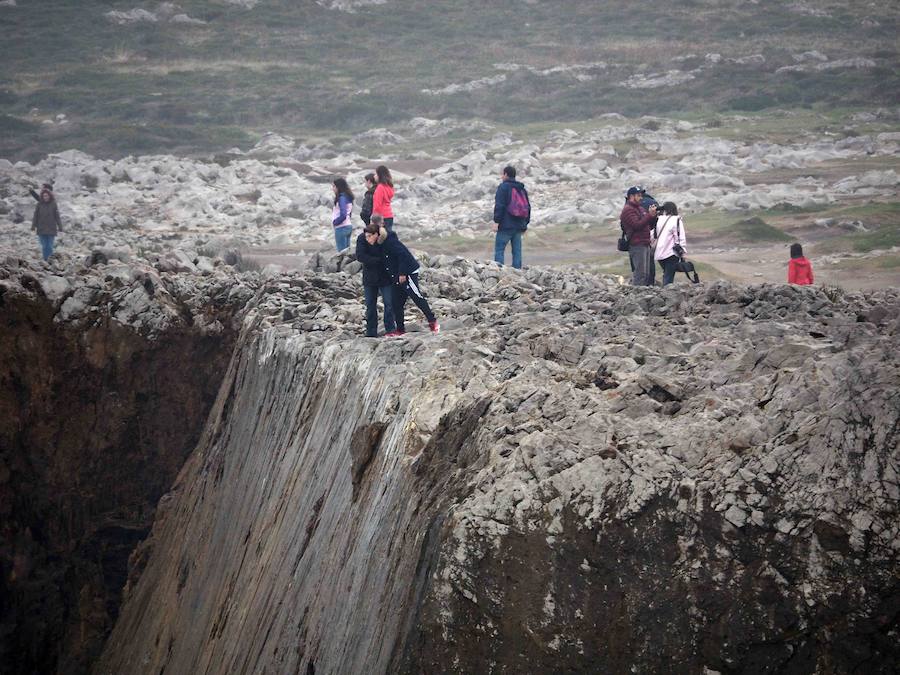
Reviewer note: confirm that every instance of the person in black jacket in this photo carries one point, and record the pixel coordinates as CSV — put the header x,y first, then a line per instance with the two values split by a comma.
x,y
366,211
404,271
509,222
46,222
376,279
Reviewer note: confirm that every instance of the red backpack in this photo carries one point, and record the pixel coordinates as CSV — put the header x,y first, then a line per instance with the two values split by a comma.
x,y
518,204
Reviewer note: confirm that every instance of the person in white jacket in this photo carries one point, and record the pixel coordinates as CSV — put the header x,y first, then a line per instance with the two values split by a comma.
x,y
671,243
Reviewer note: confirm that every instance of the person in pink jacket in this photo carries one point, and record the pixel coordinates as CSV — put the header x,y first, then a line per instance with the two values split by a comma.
x,y
799,268
384,193
671,243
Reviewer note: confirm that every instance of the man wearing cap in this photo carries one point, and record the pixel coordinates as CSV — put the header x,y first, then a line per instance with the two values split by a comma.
x,y
636,223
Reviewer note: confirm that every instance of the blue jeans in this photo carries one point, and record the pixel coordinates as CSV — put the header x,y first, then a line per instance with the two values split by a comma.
x,y
46,244
502,239
387,297
342,236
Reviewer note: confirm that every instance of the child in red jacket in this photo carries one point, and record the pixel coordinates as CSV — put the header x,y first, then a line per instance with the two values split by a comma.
x,y
799,268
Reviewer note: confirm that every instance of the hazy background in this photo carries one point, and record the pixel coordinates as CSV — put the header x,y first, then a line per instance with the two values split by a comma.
x,y
202,75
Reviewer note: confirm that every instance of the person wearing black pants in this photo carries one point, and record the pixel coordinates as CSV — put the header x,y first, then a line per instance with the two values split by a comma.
x,y
404,270
376,278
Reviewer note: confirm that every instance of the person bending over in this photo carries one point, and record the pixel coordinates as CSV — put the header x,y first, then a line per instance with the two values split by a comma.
x,y
376,278
404,271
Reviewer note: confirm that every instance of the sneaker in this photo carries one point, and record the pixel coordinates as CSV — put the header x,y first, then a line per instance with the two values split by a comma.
x,y
393,334
434,326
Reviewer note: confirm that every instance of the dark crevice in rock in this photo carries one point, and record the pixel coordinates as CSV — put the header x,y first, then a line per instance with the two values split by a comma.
x,y
95,424
363,446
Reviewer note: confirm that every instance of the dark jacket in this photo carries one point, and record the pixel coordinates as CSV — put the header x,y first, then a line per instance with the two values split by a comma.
x,y
501,200
46,220
375,270
365,211
637,224
397,257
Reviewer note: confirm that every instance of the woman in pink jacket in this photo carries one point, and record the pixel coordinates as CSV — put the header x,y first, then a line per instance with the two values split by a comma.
x,y
384,193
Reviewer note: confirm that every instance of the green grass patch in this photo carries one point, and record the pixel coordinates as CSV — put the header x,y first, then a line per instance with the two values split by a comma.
x,y
888,262
756,230
882,238
885,212
14,125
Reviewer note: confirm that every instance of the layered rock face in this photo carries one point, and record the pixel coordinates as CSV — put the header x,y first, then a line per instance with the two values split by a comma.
x,y
107,376
573,476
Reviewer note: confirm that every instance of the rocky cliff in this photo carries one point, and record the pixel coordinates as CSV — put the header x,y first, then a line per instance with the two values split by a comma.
x,y
574,476
107,375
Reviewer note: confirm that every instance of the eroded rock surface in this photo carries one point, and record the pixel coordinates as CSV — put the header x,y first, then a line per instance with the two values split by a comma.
x,y
573,476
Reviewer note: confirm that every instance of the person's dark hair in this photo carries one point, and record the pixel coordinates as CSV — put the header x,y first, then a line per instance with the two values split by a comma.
x,y
372,228
669,209
510,172
384,176
370,178
342,189
796,250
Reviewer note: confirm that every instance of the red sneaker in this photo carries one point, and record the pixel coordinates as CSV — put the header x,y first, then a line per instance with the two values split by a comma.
x,y
394,333
434,326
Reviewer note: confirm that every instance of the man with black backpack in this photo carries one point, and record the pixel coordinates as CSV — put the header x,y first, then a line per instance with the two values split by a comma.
x,y
636,223
512,213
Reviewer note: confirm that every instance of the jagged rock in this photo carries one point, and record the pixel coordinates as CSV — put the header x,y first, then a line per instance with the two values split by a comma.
x,y
541,487
176,261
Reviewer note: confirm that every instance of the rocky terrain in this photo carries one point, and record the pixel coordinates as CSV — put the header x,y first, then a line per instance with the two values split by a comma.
x,y
278,194
204,466
574,474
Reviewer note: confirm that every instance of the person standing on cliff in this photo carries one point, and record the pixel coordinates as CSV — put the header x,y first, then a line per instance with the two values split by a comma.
x,y
365,212
800,270
512,213
637,222
340,214
46,222
381,199
404,272
376,278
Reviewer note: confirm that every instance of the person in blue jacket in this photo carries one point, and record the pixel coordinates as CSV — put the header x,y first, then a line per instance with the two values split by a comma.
x,y
340,214
512,213
404,272
376,278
